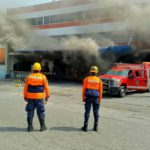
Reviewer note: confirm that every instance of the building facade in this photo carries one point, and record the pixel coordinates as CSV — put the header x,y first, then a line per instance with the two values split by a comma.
x,y
78,17
82,18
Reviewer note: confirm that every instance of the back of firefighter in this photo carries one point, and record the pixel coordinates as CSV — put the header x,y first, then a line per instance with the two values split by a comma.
x,y
36,90
92,92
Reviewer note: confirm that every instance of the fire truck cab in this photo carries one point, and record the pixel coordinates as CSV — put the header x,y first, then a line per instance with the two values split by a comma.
x,y
125,77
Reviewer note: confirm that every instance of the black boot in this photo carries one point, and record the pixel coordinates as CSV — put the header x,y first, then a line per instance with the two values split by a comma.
x,y
95,127
30,126
85,127
42,123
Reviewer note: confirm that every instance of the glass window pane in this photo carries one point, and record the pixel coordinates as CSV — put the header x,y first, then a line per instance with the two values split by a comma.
x,y
81,15
40,20
46,19
34,21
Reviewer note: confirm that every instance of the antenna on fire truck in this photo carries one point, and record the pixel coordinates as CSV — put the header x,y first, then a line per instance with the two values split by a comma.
x,y
131,38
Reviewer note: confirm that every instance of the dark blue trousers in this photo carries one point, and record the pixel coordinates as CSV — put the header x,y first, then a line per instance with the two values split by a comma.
x,y
35,104
94,102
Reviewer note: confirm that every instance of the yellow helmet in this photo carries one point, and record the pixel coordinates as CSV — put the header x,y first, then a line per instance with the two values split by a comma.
x,y
37,66
94,69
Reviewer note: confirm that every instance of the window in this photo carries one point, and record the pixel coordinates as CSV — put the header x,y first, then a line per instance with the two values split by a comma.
x,y
137,73
63,18
81,15
97,13
33,21
46,19
88,14
130,72
40,20
140,73
118,72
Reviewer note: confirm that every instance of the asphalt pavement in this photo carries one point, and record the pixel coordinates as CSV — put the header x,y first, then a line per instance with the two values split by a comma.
x,y
124,122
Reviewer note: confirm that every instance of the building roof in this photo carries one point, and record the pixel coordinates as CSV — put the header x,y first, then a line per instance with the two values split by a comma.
x,y
47,6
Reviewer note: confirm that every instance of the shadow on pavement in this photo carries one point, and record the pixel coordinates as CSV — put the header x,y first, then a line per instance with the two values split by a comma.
x,y
107,96
129,93
66,129
12,129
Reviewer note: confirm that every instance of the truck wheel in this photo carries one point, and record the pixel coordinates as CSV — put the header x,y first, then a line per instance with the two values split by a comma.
x,y
122,91
148,90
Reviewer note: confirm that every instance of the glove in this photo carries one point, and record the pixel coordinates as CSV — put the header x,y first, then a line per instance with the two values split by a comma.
x,y
83,100
25,99
46,100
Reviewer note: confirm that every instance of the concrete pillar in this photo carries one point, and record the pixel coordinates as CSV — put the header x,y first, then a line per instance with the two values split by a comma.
x,y
7,61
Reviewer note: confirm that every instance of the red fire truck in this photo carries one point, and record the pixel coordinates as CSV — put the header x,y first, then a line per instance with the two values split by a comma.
x,y
126,77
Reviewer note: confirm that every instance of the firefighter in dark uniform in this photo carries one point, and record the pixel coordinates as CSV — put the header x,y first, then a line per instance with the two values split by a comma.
x,y
92,92
36,90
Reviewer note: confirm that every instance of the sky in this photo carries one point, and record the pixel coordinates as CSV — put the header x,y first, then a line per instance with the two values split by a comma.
x,y
4,4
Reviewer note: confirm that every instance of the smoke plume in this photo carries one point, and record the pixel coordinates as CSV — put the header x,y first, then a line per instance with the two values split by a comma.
x,y
83,50
74,49
135,13
13,32
79,49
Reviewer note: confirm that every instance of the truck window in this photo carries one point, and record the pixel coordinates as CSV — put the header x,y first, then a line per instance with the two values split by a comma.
x,y
142,73
118,72
130,72
139,73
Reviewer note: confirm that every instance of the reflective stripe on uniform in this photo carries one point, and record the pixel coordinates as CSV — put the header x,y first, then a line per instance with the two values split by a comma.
x,y
35,95
35,77
36,89
35,85
93,81
93,84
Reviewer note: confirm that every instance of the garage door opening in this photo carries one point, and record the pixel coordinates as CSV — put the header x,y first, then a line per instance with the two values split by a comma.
x,y
55,65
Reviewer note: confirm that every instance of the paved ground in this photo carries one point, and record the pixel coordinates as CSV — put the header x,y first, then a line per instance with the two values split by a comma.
x,y
124,123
